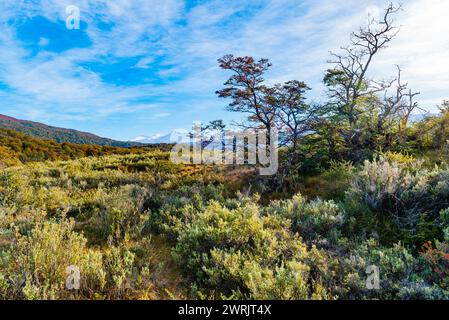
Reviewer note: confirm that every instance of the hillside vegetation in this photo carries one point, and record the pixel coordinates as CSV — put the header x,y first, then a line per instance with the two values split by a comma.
x,y
59,135
17,148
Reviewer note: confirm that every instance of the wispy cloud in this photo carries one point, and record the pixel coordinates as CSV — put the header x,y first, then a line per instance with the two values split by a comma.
x,y
162,115
154,60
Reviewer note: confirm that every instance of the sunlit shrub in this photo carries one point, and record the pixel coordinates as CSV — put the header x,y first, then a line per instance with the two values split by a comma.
x,y
118,264
36,264
171,211
11,184
229,251
316,221
379,182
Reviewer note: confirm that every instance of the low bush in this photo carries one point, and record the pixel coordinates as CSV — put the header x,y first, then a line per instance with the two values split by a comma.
x,y
227,252
402,194
35,266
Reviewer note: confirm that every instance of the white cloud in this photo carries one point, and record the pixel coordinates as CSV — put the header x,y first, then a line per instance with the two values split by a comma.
x,y
422,49
43,42
296,35
54,85
145,63
161,115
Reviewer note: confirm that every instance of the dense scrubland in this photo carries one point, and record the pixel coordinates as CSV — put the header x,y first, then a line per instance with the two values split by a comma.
x,y
140,227
359,185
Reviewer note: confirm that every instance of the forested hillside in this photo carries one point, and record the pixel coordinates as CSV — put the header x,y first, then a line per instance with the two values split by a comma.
x,y
60,135
17,148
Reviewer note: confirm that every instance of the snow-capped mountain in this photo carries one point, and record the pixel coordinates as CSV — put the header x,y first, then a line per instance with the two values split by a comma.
x,y
176,136
155,138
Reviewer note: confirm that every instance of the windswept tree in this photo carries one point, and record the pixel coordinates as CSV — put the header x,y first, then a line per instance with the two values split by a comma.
x,y
347,81
296,119
282,106
393,110
368,112
293,113
247,90
213,132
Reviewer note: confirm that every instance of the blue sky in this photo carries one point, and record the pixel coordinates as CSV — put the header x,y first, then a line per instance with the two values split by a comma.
x,y
142,67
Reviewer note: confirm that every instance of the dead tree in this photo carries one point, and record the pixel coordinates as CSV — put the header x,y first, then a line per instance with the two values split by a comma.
x,y
347,81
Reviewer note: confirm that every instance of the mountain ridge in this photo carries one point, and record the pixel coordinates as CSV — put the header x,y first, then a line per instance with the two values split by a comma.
x,y
60,135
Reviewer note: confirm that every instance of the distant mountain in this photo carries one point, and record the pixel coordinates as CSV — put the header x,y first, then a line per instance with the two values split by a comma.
x,y
43,131
182,136
178,135
16,148
156,138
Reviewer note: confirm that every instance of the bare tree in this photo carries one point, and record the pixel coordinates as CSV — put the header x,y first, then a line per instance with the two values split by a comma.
x,y
393,109
347,81
396,108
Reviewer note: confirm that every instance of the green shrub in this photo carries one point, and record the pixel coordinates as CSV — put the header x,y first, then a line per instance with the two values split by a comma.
x,y
333,182
405,194
36,264
170,211
227,244
422,291
114,215
395,266
317,221
226,250
118,265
